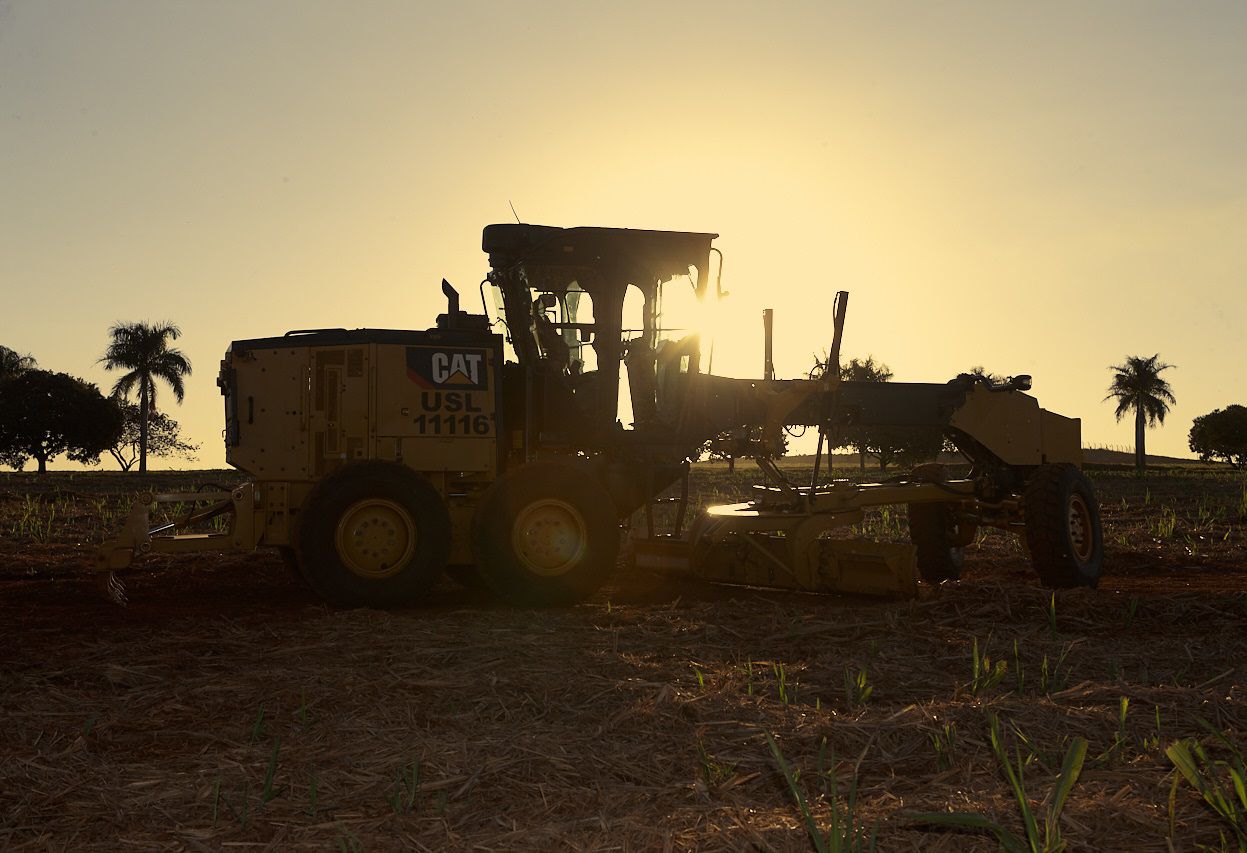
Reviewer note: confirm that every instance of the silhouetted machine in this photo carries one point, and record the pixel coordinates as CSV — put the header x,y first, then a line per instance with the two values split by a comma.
x,y
510,450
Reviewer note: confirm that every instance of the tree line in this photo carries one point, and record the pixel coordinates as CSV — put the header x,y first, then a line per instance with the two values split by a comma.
x,y
44,414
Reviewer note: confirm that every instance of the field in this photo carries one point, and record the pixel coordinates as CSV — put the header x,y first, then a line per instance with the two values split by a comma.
x,y
226,707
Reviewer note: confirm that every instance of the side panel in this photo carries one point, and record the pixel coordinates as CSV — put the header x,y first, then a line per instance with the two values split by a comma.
x,y
268,431
338,414
1005,422
436,405
1062,438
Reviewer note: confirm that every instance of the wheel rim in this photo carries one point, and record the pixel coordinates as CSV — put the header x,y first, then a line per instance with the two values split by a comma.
x,y
1081,535
550,537
375,538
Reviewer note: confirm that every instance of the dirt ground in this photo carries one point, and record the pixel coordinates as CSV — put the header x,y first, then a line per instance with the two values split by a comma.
x,y
226,707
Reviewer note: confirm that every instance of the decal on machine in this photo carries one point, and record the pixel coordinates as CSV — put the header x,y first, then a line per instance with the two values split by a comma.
x,y
457,369
447,379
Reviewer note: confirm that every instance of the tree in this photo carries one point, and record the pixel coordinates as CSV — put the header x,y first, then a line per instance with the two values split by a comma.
x,y
982,372
866,370
1138,387
1221,434
164,437
44,414
142,349
888,444
902,445
13,363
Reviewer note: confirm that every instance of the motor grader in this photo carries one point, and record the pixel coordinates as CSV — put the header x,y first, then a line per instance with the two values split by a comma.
x,y
510,447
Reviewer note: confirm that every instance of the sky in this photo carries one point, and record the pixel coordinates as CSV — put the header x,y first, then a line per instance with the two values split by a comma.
x,y
1034,188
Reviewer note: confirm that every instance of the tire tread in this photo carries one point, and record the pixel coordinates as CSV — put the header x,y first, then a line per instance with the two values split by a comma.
x,y
1046,522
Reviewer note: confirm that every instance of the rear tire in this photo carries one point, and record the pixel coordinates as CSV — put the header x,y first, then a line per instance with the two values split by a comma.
x,y
1063,529
373,534
934,530
546,533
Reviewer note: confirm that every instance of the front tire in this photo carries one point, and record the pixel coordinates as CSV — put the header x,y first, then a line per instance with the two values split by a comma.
x,y
1063,529
544,534
373,534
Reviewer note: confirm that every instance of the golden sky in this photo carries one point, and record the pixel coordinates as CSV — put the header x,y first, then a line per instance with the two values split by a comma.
x,y
1039,188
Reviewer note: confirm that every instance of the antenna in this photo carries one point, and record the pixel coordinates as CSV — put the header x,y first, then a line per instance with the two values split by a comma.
x,y
513,213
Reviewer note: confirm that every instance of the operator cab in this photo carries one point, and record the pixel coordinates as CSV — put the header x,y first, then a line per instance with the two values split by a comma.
x,y
602,323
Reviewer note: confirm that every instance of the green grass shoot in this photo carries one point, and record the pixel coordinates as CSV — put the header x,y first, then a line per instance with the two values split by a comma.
x,y
985,673
1041,832
1221,783
846,834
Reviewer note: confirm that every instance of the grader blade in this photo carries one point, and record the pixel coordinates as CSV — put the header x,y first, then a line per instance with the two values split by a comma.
x,y
855,566
786,548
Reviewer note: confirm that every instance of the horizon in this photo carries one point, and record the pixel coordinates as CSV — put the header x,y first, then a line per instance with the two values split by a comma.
x,y
245,170
840,459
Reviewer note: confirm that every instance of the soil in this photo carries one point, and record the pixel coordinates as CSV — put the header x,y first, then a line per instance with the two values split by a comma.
x,y
227,706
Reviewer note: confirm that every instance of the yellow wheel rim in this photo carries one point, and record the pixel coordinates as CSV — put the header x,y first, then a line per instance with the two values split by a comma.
x,y
1081,536
550,537
375,538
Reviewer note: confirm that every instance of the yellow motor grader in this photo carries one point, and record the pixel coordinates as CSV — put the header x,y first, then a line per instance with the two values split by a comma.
x,y
509,447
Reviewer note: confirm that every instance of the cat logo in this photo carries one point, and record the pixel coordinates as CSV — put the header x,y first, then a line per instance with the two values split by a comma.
x,y
431,367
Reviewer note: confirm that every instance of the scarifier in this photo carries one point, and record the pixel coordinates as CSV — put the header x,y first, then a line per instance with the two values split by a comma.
x,y
509,447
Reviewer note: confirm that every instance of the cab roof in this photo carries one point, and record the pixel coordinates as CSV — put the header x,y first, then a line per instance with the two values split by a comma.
x,y
662,254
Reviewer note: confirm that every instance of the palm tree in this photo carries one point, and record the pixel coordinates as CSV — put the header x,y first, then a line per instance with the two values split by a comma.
x,y
13,363
142,349
1138,386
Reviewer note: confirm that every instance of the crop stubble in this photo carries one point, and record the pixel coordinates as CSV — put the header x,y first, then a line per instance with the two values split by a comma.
x,y
227,707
